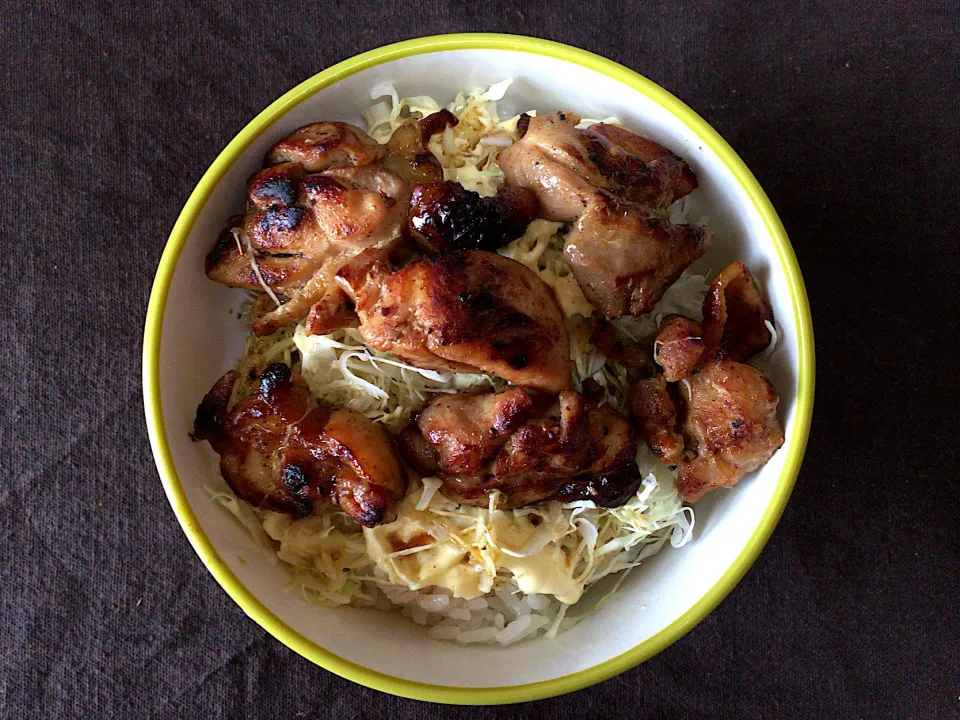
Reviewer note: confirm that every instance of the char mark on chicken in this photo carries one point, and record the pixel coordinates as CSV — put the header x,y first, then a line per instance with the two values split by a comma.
x,y
445,215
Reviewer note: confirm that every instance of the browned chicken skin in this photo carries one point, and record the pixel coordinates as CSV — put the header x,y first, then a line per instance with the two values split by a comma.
x,y
323,145
281,450
462,311
445,215
721,422
529,448
616,187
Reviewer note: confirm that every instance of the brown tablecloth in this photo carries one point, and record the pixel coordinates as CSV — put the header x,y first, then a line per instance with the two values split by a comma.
x,y
847,115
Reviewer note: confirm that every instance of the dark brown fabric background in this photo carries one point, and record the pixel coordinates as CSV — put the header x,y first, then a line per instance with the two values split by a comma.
x,y
846,112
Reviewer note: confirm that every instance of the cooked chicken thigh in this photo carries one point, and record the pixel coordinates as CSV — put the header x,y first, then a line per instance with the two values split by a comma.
x,y
615,186
281,450
462,311
330,192
624,258
567,167
528,448
731,419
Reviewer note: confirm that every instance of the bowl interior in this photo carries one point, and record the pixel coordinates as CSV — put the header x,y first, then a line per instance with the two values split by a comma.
x,y
201,338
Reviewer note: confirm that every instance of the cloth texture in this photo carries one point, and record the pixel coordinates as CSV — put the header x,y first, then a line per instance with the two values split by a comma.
x,y
846,112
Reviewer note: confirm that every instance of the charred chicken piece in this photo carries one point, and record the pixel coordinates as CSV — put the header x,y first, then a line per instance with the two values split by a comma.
x,y
529,448
445,215
280,450
624,258
328,192
566,166
462,311
228,262
338,213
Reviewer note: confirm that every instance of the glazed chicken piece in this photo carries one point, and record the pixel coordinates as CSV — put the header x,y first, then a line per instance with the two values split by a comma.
x,y
723,423
735,316
624,258
330,191
463,311
407,152
445,215
228,262
529,448
567,167
281,450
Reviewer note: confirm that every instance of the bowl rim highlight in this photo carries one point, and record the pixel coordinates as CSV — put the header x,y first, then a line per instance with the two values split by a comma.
x,y
251,605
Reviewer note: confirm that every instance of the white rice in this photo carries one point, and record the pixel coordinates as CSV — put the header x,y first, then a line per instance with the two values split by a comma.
x,y
502,617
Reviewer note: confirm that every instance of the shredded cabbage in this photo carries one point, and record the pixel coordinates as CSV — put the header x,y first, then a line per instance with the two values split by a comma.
x,y
341,369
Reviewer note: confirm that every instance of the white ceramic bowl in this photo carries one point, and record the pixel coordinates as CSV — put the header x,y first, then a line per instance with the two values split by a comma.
x,y
192,338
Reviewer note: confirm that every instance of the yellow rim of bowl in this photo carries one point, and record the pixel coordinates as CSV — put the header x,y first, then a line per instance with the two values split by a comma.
x,y
256,609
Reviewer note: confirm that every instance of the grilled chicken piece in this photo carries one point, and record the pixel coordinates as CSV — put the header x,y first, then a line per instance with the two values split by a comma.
x,y
323,145
655,414
462,311
280,450
731,418
678,346
616,187
329,191
338,213
445,215
624,258
465,432
228,262
526,447
735,316
566,166
728,411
